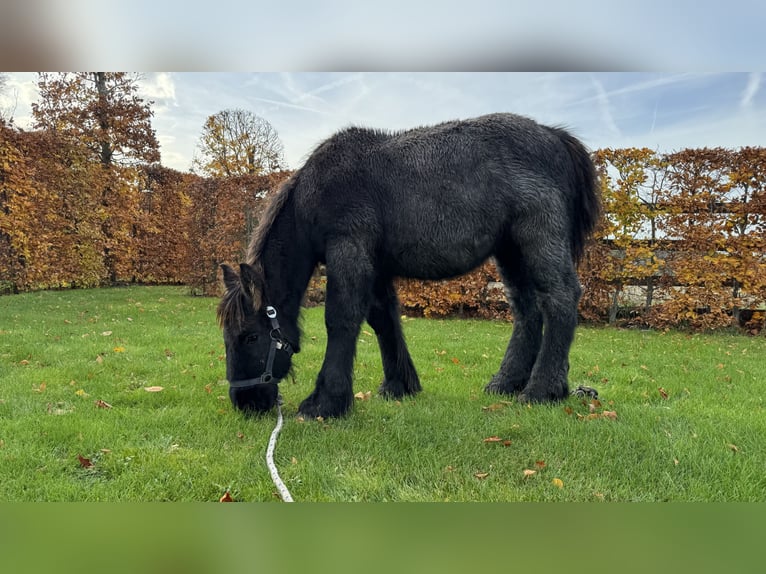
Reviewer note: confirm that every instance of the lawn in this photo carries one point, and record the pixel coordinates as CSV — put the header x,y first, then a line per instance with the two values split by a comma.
x,y
120,394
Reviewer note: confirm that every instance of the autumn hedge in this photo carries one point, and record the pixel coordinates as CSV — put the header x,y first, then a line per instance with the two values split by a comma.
x,y
682,242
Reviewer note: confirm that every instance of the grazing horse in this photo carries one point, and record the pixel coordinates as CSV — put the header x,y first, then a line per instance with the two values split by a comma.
x,y
427,203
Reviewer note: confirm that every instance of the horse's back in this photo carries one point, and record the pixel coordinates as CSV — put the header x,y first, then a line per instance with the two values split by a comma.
x,y
436,201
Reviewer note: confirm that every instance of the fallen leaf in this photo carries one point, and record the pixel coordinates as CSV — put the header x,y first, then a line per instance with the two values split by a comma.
x,y
455,360
507,443
568,410
363,396
106,333
81,393
208,388
493,407
119,349
23,362
540,464
240,435
320,419
226,498
41,388
529,472
99,359
84,462
733,447
366,332
558,483
481,475
610,415
663,393
493,439
293,460
675,461
153,389
106,450
102,404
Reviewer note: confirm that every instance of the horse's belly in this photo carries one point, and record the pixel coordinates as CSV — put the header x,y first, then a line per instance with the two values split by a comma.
x,y
428,260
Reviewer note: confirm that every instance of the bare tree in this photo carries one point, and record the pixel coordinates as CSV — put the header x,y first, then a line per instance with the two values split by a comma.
x,y
238,142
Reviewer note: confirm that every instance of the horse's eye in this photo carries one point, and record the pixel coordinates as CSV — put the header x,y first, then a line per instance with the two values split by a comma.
x,y
251,338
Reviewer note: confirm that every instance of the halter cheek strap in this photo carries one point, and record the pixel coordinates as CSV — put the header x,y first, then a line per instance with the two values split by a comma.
x,y
278,343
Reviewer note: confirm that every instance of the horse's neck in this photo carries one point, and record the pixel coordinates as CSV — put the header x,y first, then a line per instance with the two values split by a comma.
x,y
288,265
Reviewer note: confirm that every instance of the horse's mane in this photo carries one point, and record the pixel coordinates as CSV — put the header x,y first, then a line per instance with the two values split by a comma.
x,y
235,301
273,209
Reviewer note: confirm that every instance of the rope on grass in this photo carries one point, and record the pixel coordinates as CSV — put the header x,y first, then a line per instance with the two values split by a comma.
x,y
283,492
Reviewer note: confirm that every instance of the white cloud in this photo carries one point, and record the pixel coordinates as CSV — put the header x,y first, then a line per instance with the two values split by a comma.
x,y
753,84
158,87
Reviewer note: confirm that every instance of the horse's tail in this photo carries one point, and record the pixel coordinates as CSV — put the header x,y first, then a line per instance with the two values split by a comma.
x,y
585,192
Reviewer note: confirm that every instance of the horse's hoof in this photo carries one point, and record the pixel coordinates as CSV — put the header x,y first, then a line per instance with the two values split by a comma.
x,y
312,408
498,387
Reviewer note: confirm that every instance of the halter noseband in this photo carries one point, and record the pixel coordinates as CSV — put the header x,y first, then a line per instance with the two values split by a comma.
x,y
278,343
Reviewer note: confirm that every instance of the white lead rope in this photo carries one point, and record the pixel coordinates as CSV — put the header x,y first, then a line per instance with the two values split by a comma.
x,y
283,492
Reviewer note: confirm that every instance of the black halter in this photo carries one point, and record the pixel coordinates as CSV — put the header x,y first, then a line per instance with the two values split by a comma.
x,y
278,343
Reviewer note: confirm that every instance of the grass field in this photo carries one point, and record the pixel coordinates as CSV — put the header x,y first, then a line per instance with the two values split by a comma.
x,y
120,394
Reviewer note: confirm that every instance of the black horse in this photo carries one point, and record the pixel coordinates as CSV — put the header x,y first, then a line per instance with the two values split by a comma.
x,y
429,203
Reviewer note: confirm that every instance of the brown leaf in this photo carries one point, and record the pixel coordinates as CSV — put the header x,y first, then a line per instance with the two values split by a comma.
x,y
493,439
363,396
481,475
540,463
455,360
99,359
102,404
507,443
226,497
568,410
529,472
84,462
663,393
154,389
609,415
493,407
240,435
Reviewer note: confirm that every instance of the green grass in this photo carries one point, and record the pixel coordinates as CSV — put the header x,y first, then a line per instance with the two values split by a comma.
x,y
61,352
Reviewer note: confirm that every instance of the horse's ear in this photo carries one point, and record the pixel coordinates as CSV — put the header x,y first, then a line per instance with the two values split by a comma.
x,y
252,281
230,277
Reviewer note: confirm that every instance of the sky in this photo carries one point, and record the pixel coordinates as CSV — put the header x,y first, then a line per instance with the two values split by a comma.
x,y
661,111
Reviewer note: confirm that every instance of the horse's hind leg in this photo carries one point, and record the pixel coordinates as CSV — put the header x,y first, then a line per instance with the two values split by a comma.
x,y
400,375
526,337
558,293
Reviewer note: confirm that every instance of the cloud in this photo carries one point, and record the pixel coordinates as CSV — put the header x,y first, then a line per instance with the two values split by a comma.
x,y
158,87
753,84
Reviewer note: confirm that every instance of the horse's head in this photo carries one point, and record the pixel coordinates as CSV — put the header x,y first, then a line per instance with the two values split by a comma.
x,y
257,353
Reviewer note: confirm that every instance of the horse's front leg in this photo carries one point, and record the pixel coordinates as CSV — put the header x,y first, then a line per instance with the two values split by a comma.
x,y
349,289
